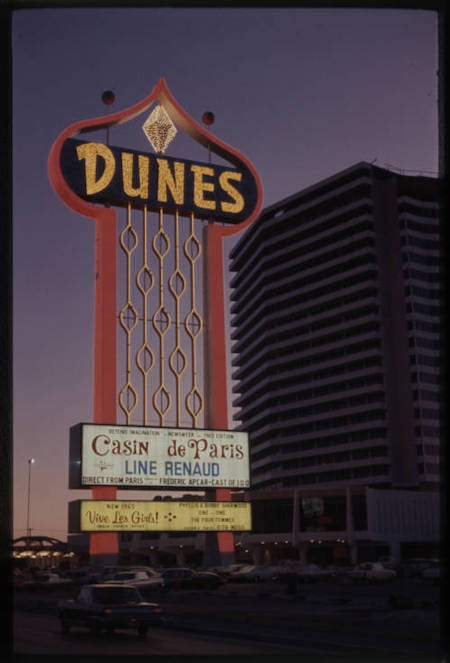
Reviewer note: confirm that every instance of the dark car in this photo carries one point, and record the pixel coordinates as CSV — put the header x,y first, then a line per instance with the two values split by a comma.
x,y
102,606
413,567
84,576
184,578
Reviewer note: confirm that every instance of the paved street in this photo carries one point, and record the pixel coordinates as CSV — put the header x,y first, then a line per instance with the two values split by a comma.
x,y
327,618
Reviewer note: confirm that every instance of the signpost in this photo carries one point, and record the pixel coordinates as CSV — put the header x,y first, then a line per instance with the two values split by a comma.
x,y
91,177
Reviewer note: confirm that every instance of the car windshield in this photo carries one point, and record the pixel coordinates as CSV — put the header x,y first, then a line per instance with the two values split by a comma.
x,y
106,595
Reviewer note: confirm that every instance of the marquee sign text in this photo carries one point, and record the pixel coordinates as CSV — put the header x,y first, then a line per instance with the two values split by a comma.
x,y
118,176
158,516
143,457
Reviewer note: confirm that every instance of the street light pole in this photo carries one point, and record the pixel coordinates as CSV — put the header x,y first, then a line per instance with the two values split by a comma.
x,y
30,462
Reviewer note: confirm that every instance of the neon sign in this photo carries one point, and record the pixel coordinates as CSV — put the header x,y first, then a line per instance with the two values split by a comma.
x,y
106,174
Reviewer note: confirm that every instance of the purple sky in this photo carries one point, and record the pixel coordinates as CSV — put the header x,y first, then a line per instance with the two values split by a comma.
x,y
303,93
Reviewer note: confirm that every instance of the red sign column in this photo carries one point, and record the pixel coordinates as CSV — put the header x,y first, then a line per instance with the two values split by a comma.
x,y
104,546
216,383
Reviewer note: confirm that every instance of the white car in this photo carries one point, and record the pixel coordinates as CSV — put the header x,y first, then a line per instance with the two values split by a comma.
x,y
231,568
374,571
47,581
140,579
252,573
433,571
414,566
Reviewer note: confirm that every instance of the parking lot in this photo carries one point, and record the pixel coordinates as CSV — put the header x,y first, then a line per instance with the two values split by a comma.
x,y
399,616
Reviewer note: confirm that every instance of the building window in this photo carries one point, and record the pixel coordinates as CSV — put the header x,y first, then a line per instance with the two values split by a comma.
x,y
359,511
271,516
321,514
360,472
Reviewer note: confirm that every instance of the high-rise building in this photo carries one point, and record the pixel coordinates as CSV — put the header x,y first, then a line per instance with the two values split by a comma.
x,y
335,316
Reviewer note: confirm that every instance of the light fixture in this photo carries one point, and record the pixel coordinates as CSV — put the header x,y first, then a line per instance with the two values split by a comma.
x,y
31,461
159,129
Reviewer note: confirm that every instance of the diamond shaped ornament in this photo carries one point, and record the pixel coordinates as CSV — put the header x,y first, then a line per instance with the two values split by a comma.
x,y
159,129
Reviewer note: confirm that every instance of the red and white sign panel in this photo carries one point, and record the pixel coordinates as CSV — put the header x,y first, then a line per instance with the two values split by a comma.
x,y
143,457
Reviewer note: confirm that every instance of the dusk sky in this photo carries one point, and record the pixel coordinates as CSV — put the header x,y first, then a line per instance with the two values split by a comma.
x,y
302,93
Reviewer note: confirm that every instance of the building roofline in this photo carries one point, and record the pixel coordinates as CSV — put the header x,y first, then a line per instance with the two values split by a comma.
x,y
270,210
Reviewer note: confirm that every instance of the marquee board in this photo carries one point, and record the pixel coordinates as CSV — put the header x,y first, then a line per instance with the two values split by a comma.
x,y
143,457
158,516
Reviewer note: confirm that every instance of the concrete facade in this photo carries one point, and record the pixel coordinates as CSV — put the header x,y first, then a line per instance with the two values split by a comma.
x,y
326,526
336,334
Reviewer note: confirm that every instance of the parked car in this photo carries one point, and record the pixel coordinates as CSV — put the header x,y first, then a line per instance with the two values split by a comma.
x,y
255,573
373,571
389,562
142,579
413,567
235,567
108,606
288,572
107,572
313,573
18,579
433,571
342,573
47,580
84,576
185,578
223,571
244,573
132,567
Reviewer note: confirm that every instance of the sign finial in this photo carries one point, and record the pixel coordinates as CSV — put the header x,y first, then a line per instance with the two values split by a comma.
x,y
159,129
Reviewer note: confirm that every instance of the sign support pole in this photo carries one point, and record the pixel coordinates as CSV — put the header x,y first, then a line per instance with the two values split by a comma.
x,y
104,547
216,386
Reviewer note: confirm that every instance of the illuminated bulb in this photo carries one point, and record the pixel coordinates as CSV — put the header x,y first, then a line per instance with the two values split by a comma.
x,y
159,129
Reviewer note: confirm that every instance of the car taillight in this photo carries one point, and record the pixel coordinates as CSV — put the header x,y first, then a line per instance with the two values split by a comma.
x,y
108,611
157,610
